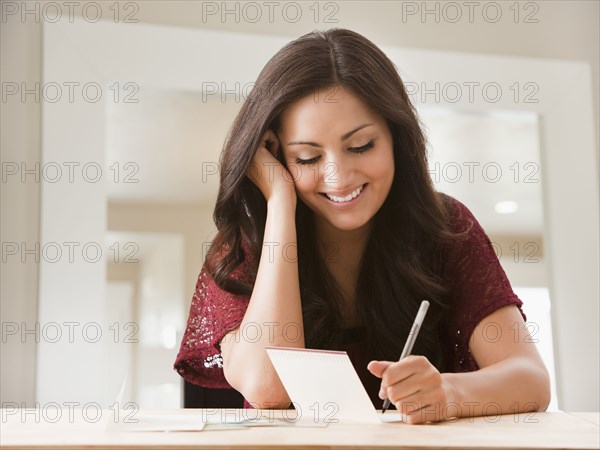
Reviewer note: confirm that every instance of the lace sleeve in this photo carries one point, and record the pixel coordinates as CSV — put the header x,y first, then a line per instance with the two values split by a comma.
x,y
479,286
213,313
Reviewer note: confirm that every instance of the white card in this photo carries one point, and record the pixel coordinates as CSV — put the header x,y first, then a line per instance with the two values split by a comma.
x,y
323,384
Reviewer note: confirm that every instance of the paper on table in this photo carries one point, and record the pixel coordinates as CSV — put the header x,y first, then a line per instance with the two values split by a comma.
x,y
324,383
138,420
149,421
160,420
259,418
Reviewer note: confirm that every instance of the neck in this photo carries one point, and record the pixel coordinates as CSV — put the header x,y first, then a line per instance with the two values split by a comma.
x,y
342,247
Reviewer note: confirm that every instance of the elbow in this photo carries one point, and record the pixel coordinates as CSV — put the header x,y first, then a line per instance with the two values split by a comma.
x,y
264,393
546,395
542,388
267,397
259,391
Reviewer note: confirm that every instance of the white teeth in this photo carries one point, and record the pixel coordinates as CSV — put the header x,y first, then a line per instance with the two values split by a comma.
x,y
347,197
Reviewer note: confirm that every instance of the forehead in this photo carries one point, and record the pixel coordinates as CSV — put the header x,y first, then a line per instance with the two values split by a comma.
x,y
334,111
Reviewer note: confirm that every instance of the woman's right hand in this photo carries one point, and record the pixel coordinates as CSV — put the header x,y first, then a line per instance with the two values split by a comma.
x,y
267,173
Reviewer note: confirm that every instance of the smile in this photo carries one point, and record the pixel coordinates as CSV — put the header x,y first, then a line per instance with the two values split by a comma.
x,y
348,198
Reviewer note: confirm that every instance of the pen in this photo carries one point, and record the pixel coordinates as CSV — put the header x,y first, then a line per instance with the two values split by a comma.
x,y
412,337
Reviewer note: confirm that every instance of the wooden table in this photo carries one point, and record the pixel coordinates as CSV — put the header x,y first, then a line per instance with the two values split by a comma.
x,y
550,430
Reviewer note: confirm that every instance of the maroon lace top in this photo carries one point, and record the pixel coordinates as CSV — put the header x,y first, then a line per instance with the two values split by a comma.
x,y
479,286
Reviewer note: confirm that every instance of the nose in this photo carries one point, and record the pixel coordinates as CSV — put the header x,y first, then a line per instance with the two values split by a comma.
x,y
339,173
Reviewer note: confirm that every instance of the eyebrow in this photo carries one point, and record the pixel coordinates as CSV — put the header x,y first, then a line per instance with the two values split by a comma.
x,y
343,137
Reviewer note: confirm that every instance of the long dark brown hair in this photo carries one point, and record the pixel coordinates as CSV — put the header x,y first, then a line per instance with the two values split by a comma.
x,y
403,259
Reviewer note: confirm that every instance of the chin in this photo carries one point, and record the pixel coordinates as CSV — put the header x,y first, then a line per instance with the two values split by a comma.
x,y
346,225
343,221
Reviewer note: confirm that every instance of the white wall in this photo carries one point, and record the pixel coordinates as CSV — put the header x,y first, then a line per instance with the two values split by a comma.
x,y
72,290
20,137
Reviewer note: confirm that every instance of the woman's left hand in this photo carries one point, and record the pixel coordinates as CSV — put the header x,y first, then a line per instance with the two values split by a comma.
x,y
415,387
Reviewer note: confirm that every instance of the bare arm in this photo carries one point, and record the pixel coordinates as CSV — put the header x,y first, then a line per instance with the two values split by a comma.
x,y
512,376
274,313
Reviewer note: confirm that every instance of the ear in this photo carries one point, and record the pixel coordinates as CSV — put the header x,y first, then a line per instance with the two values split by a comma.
x,y
378,367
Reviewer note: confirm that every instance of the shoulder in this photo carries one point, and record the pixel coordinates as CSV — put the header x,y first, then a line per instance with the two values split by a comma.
x,y
231,267
245,270
460,217
471,245
246,265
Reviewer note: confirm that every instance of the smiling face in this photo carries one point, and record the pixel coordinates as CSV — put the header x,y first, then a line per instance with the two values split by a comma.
x,y
340,153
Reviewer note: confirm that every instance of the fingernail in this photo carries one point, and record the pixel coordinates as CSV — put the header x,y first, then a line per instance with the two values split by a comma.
x,y
381,394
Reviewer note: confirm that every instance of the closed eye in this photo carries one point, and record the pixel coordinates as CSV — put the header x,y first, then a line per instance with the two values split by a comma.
x,y
363,148
360,149
307,161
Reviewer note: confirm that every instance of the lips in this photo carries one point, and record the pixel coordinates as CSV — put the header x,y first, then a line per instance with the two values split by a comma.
x,y
345,198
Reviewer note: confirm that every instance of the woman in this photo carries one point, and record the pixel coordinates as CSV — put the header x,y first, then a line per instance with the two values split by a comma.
x,y
330,233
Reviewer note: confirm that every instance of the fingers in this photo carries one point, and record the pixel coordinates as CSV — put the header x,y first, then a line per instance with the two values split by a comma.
x,y
378,367
423,407
253,170
271,142
405,378
267,150
267,172
414,386
390,373
400,391
402,370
